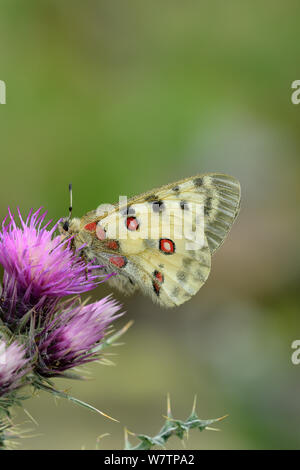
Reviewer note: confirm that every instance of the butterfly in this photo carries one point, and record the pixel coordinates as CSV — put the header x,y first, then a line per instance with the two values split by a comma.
x,y
160,242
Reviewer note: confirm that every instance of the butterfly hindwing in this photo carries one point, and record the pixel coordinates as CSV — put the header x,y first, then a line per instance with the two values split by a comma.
x,y
172,280
168,280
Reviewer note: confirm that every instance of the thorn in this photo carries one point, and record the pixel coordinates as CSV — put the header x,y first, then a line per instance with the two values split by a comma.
x,y
102,435
107,416
212,429
222,417
170,418
30,416
110,340
169,412
126,439
106,362
127,326
129,432
194,405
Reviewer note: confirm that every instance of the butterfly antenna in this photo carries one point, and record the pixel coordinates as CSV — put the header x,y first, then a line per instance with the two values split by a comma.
x,y
71,200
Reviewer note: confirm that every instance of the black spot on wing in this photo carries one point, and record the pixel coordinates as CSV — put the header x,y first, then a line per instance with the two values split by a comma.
x,y
198,182
199,275
158,206
187,262
184,205
181,276
149,243
208,205
175,292
128,211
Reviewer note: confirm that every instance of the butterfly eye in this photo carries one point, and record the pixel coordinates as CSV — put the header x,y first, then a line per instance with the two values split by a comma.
x,y
66,226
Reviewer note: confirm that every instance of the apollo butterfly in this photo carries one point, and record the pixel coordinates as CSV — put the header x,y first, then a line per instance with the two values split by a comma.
x,y
160,242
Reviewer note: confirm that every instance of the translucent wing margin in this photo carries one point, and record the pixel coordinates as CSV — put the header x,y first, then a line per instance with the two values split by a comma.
x,y
222,205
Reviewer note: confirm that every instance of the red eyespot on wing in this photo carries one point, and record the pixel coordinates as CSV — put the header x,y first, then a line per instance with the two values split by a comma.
x,y
90,227
119,261
159,276
100,232
112,245
132,223
166,246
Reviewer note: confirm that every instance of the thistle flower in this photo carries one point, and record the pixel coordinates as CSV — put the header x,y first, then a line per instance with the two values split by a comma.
x,y
38,268
13,366
69,340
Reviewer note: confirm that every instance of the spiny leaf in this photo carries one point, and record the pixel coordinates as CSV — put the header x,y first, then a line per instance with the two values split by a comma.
x,y
171,427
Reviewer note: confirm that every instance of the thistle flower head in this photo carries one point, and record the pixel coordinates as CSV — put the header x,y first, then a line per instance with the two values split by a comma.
x,y
13,365
69,339
38,267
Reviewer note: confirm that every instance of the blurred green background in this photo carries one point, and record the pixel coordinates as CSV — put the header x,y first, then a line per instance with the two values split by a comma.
x,y
122,96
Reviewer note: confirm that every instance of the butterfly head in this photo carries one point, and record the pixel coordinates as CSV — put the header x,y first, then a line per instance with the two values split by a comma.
x,y
65,224
68,227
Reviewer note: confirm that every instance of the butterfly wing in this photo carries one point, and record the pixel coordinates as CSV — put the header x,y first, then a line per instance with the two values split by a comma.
x,y
172,280
162,240
222,206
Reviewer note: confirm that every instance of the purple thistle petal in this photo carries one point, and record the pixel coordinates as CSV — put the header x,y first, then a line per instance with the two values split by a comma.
x,y
38,266
68,340
13,366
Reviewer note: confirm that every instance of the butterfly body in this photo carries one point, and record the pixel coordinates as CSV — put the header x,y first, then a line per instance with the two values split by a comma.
x,y
160,242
